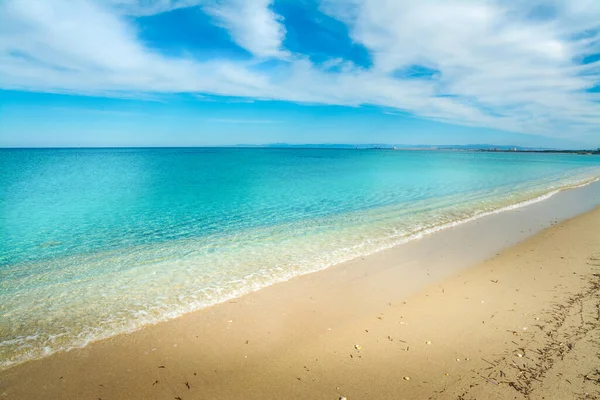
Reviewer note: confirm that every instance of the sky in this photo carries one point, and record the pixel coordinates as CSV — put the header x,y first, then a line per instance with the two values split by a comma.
x,y
224,72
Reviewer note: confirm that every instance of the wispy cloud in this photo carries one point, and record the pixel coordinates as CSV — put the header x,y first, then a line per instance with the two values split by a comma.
x,y
519,66
252,24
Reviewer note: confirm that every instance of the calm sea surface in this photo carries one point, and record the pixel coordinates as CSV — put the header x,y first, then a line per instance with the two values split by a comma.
x,y
94,242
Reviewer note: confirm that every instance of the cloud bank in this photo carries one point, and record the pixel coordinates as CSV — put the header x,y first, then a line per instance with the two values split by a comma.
x,y
524,66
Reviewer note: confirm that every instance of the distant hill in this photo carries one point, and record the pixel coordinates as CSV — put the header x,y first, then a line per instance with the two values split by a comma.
x,y
391,146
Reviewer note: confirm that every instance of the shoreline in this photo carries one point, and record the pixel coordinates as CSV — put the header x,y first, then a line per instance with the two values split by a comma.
x,y
282,319
582,206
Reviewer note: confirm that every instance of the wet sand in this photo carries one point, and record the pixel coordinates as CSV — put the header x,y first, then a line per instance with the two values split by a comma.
x,y
410,322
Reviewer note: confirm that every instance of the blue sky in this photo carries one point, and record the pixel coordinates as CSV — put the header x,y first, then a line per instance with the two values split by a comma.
x,y
221,72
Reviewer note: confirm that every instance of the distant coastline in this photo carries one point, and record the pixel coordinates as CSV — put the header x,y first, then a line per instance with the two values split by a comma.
x,y
582,152
421,147
514,150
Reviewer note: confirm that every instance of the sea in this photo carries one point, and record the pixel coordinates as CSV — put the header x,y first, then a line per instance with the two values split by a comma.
x,y
97,242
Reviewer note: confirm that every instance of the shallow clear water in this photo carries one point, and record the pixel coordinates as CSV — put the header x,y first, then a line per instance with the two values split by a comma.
x,y
99,241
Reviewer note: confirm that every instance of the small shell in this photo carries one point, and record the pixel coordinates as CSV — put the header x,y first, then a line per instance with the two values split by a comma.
x,y
357,346
407,378
458,359
428,342
342,398
519,355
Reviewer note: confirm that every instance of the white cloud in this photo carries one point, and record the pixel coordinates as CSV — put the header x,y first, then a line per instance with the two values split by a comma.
x,y
504,65
252,25
148,7
498,57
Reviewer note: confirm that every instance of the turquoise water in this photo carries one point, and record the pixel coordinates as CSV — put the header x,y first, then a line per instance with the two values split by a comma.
x,y
94,242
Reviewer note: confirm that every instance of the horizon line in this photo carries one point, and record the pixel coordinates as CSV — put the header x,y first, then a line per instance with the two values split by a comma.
x,y
305,145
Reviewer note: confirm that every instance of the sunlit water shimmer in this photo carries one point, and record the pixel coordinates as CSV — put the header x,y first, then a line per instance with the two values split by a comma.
x,y
94,242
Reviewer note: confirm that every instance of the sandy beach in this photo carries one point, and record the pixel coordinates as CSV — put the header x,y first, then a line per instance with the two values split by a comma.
x,y
523,324
302,199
